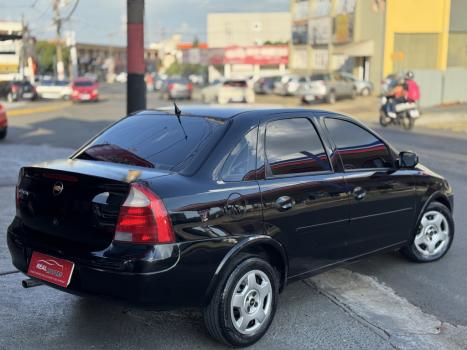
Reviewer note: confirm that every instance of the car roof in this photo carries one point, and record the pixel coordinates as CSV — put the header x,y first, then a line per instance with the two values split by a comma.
x,y
231,112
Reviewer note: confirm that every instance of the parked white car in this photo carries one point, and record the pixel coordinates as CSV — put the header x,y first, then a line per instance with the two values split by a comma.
x,y
228,91
54,89
364,87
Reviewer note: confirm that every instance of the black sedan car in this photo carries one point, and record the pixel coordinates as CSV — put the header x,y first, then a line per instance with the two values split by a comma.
x,y
17,90
221,209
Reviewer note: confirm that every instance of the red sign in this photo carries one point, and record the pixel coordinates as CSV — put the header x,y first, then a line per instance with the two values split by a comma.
x,y
50,269
267,54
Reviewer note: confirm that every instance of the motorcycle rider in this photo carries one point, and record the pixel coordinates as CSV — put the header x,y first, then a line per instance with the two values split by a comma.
x,y
396,95
413,90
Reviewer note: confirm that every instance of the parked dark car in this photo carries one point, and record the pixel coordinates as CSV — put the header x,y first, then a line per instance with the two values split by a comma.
x,y
266,85
176,88
17,90
221,209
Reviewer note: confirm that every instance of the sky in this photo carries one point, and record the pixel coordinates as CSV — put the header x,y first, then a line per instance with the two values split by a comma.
x,y
103,21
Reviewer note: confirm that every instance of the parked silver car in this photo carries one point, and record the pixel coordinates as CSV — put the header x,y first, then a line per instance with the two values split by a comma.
x,y
328,87
291,85
364,87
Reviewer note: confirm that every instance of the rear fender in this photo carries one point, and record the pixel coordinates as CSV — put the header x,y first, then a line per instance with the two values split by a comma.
x,y
246,245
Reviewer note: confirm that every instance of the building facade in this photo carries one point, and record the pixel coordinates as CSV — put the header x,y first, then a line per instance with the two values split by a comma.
x,y
244,45
371,38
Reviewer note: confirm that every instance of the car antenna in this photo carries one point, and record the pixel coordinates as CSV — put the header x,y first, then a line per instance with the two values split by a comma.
x,y
178,112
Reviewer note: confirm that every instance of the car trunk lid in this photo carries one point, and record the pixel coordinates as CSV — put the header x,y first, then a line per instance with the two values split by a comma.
x,y
75,203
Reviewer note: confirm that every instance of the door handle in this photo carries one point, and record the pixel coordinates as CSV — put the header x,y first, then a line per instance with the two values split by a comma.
x,y
359,193
284,203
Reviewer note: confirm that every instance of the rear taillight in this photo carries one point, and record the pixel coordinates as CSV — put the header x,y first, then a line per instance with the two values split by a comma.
x,y
143,218
171,86
14,88
190,86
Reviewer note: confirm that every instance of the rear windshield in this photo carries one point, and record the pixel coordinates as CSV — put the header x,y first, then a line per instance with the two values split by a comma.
x,y
235,83
83,83
155,141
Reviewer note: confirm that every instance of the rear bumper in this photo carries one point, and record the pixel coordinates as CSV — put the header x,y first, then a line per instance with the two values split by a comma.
x,y
160,277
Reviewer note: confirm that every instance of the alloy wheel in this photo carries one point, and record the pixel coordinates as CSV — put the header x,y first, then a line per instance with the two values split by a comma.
x,y
433,234
251,302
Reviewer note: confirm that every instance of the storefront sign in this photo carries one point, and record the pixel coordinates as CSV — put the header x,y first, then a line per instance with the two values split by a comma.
x,y
263,55
300,10
320,8
343,28
320,59
300,34
299,59
319,30
345,6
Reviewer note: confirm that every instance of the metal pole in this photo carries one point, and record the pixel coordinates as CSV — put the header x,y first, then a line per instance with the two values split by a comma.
x,y
136,87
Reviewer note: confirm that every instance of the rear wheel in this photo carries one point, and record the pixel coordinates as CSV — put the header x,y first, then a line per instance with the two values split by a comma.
x,y
244,303
408,122
3,133
365,92
433,236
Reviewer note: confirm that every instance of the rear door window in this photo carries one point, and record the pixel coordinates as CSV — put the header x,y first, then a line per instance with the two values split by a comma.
x,y
357,147
155,141
294,147
240,165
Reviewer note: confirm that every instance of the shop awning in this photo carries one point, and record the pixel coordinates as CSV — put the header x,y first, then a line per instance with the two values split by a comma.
x,y
359,49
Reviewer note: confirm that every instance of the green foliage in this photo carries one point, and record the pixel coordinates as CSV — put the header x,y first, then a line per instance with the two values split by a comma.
x,y
185,69
46,52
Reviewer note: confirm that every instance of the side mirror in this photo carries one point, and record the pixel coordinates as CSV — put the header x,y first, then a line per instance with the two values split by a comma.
x,y
408,159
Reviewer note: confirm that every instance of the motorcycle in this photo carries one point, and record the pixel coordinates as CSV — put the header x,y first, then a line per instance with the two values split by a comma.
x,y
406,113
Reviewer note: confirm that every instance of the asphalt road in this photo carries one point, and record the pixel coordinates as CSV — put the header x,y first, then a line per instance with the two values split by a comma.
x,y
308,316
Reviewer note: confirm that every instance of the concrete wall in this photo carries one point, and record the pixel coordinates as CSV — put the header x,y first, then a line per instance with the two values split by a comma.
x,y
438,87
458,13
455,85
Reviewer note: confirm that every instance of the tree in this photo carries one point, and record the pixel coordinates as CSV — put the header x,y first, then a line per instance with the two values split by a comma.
x,y
46,52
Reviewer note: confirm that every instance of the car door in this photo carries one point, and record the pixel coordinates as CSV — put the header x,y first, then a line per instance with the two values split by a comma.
x,y
305,203
381,196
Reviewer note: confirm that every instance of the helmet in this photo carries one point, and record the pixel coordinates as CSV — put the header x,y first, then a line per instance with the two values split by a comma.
x,y
409,75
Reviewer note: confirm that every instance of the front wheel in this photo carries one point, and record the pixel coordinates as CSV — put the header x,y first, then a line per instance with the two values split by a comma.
x,y
433,236
244,303
384,120
3,133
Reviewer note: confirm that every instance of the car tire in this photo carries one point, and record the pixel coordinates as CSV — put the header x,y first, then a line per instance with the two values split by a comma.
x,y
365,92
331,98
408,122
435,225
384,120
3,133
239,326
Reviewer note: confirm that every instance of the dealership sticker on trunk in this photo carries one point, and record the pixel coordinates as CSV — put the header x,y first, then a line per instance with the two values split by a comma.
x,y
50,269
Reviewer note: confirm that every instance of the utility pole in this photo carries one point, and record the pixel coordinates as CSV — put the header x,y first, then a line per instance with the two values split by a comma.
x,y
58,43
136,87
